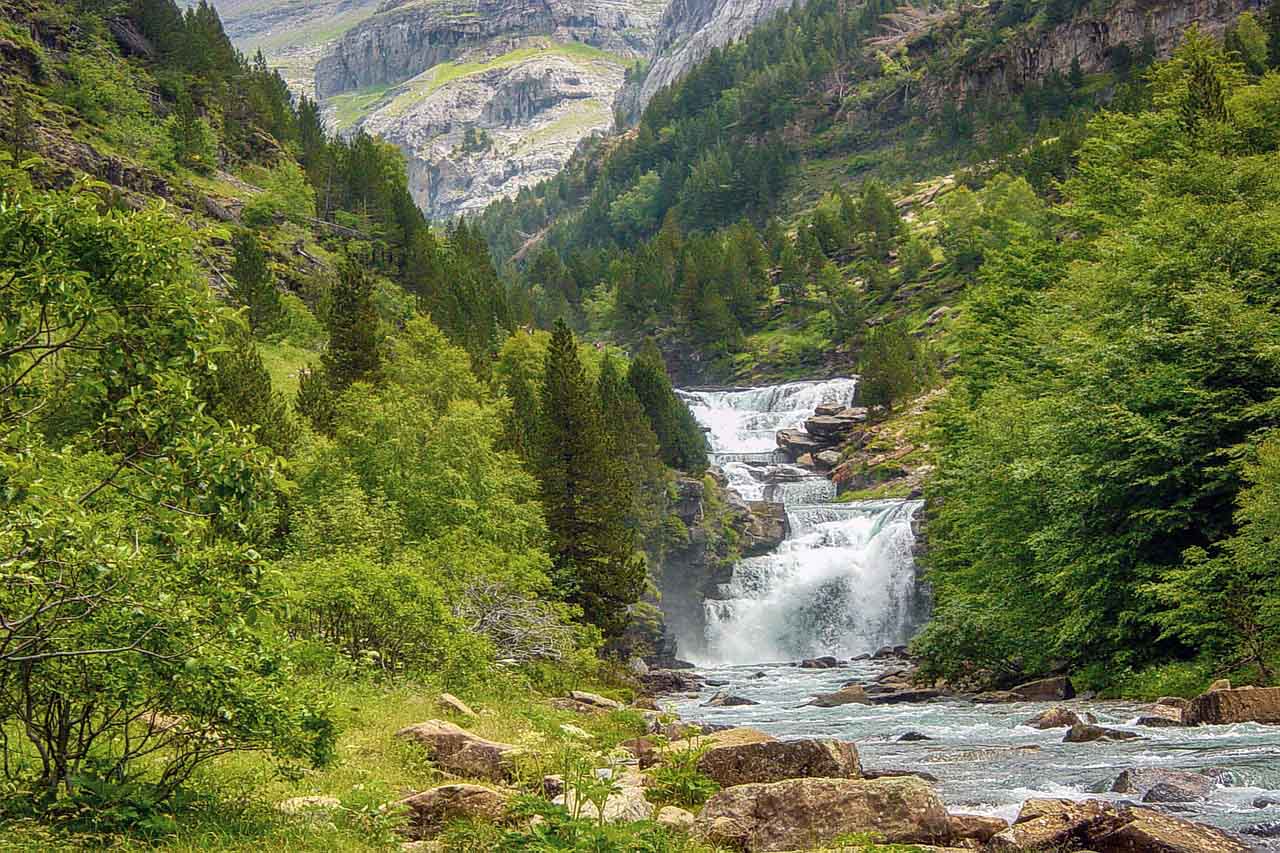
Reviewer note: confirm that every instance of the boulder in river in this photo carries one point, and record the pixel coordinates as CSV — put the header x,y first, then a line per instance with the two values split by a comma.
x,y
457,750
1168,786
1054,718
772,761
908,737
973,827
897,697
1086,733
797,442
824,662
1045,689
1241,705
834,426
725,699
800,813
996,697
663,681
851,694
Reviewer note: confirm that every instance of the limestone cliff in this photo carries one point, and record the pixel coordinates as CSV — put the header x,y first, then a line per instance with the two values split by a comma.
x,y
487,96
687,33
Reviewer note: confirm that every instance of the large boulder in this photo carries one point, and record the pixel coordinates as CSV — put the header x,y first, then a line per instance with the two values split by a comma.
x,y
801,813
1054,718
1108,828
824,662
1086,733
973,827
463,753
837,425
898,697
663,681
725,699
797,442
773,761
430,810
1154,785
852,694
1242,705
1045,689
595,700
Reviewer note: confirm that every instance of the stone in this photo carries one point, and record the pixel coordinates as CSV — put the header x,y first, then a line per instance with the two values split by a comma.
x,y
1045,689
1217,707
1150,831
797,442
827,409
806,460
306,805
458,751
725,737
638,667
429,810
1170,714
626,804
674,817
996,697
1270,829
1086,733
1055,824
824,662
1160,722
802,813
1054,718
1220,684
663,681
1174,702
827,459
912,736
724,699
852,694
575,731
1177,786
773,761
1266,802
904,696
644,749
833,426
451,704
972,827
595,700
897,773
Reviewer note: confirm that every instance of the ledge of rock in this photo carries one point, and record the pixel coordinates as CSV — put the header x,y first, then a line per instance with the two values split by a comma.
x,y
1153,785
1045,689
1109,828
799,813
457,750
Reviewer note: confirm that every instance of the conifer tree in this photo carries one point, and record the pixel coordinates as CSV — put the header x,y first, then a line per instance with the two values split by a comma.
x,y
1273,34
253,282
18,130
631,443
584,495
240,390
352,353
878,219
679,436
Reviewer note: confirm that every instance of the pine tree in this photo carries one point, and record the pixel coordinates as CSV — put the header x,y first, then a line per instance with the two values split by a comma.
x,y
878,219
683,443
631,443
584,494
315,399
253,282
1273,34
1075,76
352,354
18,130
240,391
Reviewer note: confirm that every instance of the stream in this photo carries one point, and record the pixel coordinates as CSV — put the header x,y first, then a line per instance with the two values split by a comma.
x,y
844,583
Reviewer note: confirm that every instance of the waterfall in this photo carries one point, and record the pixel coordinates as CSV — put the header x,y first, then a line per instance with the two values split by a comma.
x,y
843,582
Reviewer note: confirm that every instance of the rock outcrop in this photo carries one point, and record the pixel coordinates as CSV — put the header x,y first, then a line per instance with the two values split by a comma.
x,y
799,813
430,810
774,761
1153,785
485,97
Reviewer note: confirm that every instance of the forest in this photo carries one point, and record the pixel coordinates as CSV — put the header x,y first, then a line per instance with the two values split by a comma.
x,y
281,461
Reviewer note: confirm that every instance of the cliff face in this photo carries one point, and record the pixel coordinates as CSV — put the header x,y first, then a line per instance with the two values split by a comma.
x,y
488,96
1092,39
687,33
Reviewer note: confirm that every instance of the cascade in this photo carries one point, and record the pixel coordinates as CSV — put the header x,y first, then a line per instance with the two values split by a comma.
x,y
843,582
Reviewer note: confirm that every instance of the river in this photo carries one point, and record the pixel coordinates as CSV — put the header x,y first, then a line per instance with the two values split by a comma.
x,y
844,583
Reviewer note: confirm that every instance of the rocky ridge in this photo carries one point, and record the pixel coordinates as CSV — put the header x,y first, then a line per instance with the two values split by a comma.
x,y
485,98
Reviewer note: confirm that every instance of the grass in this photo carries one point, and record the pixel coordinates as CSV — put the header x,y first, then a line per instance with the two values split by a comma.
x,y
234,800
283,360
350,108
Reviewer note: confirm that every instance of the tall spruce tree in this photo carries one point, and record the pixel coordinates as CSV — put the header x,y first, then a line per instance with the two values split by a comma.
x,y
681,439
585,495
352,354
253,283
631,443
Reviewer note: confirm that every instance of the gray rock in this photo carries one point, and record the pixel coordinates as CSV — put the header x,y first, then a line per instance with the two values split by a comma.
x,y
1154,785
1085,733
727,700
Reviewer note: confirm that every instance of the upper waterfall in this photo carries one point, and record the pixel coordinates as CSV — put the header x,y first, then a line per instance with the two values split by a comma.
x,y
844,580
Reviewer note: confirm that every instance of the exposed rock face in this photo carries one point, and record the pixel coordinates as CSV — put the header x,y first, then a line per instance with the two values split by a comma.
x,y
773,761
798,813
484,96
459,751
687,33
1091,39
1242,705
1167,785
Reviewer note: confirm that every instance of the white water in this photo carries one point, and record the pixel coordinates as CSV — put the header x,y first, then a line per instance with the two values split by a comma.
x,y
843,582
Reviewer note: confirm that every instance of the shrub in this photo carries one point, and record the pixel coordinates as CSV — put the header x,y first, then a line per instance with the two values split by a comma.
x,y
286,193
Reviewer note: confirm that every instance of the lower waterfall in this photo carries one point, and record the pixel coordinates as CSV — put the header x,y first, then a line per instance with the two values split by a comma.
x,y
844,581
